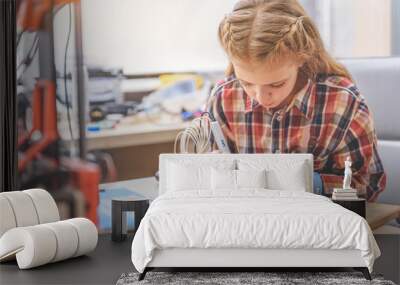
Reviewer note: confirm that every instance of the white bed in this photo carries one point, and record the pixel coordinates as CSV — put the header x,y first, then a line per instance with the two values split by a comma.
x,y
252,226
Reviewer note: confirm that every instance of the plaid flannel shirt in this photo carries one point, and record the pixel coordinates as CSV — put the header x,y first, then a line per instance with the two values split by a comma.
x,y
328,118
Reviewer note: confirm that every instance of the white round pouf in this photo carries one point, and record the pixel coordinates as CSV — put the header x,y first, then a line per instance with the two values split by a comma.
x,y
87,233
23,208
67,239
45,205
7,218
31,232
33,246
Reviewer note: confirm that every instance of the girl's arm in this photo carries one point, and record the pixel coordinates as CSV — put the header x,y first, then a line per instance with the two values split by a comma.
x,y
360,143
216,111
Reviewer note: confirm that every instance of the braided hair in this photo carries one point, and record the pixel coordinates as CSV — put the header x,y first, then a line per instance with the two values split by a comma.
x,y
259,30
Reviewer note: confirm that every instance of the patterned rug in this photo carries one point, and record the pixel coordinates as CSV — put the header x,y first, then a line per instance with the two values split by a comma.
x,y
230,278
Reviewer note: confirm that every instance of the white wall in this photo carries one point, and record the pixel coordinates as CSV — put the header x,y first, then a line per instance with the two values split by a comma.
x,y
356,28
148,36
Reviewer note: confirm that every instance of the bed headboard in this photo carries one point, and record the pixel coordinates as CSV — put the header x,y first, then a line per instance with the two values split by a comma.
x,y
212,159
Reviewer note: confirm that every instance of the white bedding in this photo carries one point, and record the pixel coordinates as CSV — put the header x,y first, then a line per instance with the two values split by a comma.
x,y
250,218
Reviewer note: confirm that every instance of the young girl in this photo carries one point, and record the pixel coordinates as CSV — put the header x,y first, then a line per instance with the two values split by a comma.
x,y
285,94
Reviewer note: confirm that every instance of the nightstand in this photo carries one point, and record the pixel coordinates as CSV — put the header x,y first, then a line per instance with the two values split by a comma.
x,y
119,207
356,205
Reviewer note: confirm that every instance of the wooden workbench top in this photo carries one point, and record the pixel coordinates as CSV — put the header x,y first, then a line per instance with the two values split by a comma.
x,y
141,134
379,214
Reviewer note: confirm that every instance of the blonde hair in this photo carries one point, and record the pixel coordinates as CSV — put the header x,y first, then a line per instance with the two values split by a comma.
x,y
259,30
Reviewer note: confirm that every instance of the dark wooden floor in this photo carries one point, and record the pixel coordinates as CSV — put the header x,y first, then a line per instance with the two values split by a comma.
x,y
103,266
110,259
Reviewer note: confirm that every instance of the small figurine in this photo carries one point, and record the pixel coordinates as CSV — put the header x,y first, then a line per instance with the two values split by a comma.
x,y
347,174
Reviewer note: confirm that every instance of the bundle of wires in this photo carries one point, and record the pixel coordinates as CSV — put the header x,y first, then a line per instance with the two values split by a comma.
x,y
198,134
196,137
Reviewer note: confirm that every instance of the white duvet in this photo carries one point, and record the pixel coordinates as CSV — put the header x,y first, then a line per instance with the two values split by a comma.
x,y
251,218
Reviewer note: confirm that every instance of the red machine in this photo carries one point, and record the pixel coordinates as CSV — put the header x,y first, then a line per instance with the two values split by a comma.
x,y
31,13
44,125
41,142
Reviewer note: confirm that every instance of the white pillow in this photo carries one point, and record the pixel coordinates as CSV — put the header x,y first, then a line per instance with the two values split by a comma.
x,y
188,175
280,174
237,179
292,179
251,178
223,179
185,177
